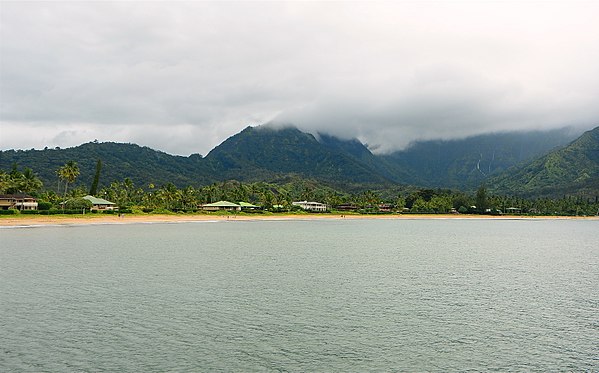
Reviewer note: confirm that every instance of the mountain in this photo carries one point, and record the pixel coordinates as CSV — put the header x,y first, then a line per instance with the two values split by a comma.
x,y
141,164
259,153
467,163
574,168
267,153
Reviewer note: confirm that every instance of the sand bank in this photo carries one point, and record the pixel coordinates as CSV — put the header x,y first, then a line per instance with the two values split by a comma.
x,y
33,220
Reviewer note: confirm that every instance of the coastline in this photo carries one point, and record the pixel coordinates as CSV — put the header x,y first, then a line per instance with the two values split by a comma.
x,y
89,219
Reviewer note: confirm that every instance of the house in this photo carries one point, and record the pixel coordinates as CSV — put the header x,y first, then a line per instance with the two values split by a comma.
x,y
347,207
248,206
311,206
221,205
100,204
385,207
18,202
513,210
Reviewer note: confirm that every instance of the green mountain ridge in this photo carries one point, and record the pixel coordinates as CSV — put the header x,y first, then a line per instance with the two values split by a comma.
x,y
468,162
574,167
260,152
267,153
142,165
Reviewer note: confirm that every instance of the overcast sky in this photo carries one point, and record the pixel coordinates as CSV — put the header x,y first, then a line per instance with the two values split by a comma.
x,y
182,77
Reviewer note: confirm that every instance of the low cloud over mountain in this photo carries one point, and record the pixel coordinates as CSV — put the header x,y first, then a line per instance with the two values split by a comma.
x,y
182,77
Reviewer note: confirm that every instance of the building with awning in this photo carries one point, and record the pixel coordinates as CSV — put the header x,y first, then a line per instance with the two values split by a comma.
x,y
311,206
100,203
221,205
248,206
18,202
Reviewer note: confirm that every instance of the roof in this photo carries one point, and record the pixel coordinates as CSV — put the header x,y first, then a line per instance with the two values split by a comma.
x,y
16,196
246,204
97,201
222,204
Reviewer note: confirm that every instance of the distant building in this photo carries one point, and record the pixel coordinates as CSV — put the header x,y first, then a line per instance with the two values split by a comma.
x,y
100,204
18,202
385,207
248,206
346,207
221,205
311,206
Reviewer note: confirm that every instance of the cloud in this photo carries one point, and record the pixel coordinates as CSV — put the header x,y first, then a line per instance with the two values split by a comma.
x,y
182,77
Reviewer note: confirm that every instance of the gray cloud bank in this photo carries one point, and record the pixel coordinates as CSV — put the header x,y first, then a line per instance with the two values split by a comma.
x,y
181,77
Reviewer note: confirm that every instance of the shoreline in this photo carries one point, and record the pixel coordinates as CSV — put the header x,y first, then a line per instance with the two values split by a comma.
x,y
89,219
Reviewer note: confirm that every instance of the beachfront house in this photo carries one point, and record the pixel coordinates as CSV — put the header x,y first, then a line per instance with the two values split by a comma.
x,y
220,206
347,207
245,206
311,206
100,204
513,210
17,202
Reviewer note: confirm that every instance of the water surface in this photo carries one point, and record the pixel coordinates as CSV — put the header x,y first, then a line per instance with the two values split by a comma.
x,y
335,295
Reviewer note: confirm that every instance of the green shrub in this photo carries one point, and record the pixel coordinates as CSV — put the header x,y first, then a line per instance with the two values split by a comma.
x,y
9,212
65,212
30,212
43,206
78,204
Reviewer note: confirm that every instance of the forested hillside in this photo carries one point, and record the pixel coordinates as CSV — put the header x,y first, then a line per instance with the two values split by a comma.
x,y
268,154
263,152
573,168
466,163
140,164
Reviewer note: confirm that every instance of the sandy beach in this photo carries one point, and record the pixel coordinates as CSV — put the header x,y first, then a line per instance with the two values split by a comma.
x,y
29,220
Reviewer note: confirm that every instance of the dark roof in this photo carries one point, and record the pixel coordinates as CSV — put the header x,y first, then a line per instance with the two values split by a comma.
x,y
16,195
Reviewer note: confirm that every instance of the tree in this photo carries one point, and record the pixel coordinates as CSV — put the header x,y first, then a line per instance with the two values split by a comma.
x,y
169,195
94,188
188,198
68,173
482,202
29,182
78,204
4,181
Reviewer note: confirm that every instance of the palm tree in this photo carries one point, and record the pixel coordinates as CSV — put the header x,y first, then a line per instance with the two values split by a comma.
x,y
29,182
169,194
68,173
188,197
5,181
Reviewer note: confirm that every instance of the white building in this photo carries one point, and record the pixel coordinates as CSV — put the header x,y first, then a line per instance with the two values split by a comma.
x,y
18,202
311,206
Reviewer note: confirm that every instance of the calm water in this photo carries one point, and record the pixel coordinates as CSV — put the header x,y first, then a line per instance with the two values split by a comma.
x,y
402,295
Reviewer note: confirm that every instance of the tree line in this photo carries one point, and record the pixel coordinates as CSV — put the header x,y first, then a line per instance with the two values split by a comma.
x,y
279,196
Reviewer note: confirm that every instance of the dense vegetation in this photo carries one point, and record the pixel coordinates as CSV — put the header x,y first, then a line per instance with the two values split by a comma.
x,y
466,163
266,154
274,167
280,195
572,168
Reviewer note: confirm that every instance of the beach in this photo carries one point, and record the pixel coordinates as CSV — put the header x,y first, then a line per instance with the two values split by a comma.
x,y
35,220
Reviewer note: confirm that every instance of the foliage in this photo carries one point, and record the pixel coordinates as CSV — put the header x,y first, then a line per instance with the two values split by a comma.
x,y
15,181
268,154
43,205
94,188
68,173
78,204
274,168
574,168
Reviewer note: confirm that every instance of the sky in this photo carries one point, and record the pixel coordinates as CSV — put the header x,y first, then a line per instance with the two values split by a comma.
x,y
182,77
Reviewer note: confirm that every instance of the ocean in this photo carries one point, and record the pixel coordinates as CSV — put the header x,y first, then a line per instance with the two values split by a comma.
x,y
320,296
